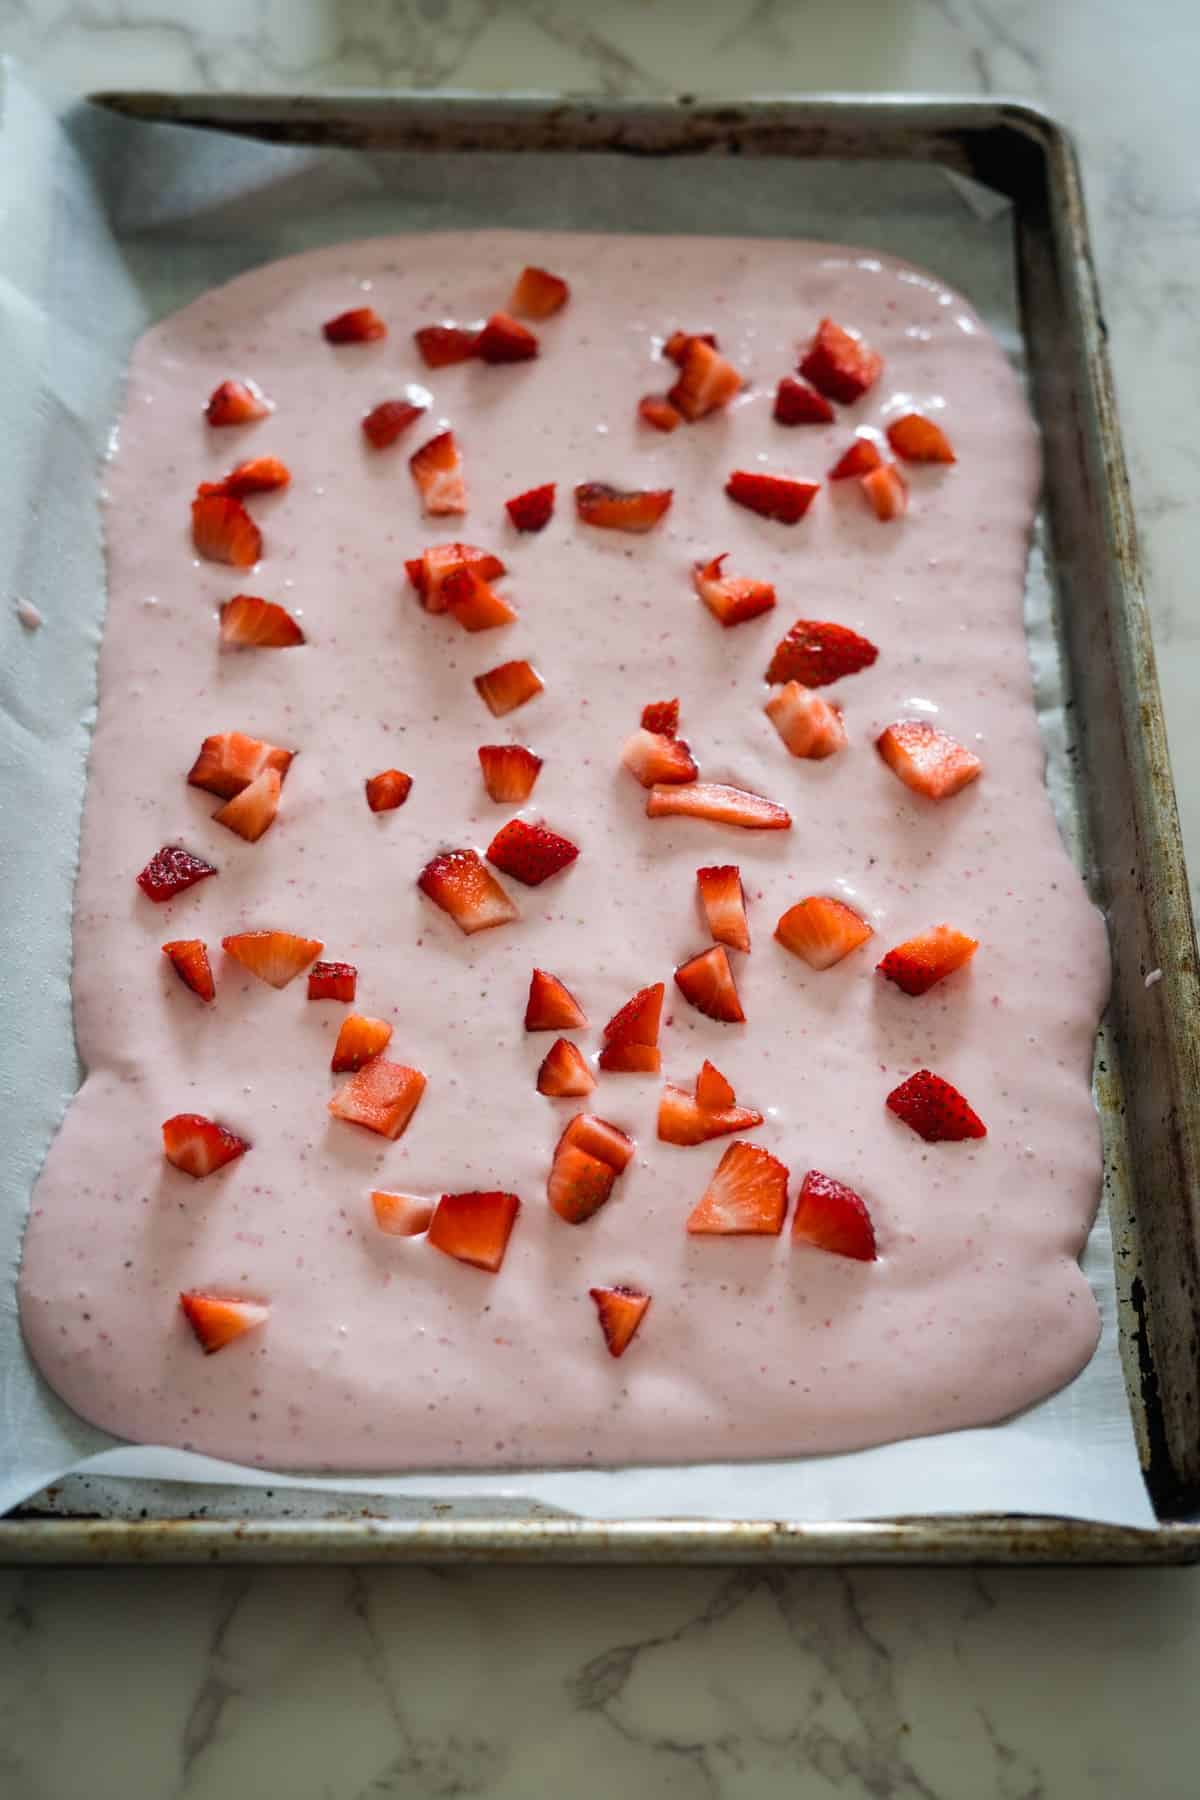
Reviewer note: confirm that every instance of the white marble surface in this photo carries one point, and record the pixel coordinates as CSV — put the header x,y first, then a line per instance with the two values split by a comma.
x,y
326,1685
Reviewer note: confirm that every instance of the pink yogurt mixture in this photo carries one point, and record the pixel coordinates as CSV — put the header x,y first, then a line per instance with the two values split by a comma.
x,y
382,1353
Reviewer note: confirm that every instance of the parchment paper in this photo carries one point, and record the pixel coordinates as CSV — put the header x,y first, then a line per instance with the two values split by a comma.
x,y
107,225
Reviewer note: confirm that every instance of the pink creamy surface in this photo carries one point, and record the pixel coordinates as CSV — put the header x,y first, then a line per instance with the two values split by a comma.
x,y
381,1353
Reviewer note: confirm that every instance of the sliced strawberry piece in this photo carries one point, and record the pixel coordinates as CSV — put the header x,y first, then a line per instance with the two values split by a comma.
x,y
706,981
831,1216
360,1040
821,931
936,1111
596,1137
509,772
707,381
260,475
634,1026
578,1184
839,365
712,1090
441,345
532,510
860,459
684,1121
810,726
530,853
332,981
224,532
189,959
474,1228
428,571
747,1196
252,812
229,761
651,757
563,1073
774,496
437,469
538,294
475,605
620,1310
621,509
921,962
661,717
722,805
798,404
361,325
657,410
385,422
276,957
199,1146
676,345
887,492
723,901
237,403
551,1006
926,759
170,871
217,1322
505,340
388,790
508,686
401,1215
461,884
731,599
248,623
382,1097
918,439
816,652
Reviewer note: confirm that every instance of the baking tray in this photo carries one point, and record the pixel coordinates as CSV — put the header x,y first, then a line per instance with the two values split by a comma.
x,y
1148,1079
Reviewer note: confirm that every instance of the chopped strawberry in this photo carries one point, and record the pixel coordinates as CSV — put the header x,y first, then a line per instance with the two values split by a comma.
x,y
361,325
199,1146
387,790
918,439
831,1216
563,1073
443,344
887,492
707,381
926,759
551,1006
475,1228
224,532
428,571
530,853
385,422
860,459
936,1111
360,1040
462,885
821,931
798,404
631,1035
774,496
620,1310
252,812
713,1091
437,469
538,294
724,904
248,623
656,410
621,509
607,1143
381,1097
189,959
508,686
332,981
509,772
722,805
217,1322
532,510
276,957
706,981
816,652
505,340
747,1196
676,345
921,962
687,1119
473,603
810,726
731,599
661,717
170,871
229,761
839,365
651,758
261,475
578,1184
237,403
401,1215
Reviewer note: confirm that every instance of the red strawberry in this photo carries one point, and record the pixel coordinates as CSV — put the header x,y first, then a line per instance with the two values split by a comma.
x,y
651,758
538,294
839,365
359,1041
261,475
361,325
706,381
441,345
237,403
706,981
661,717
798,404
171,870
532,510
815,653
926,759
831,1216
385,422
921,962
505,340
229,761
620,1310
475,605
731,598
724,904
656,410
860,459
474,1228
198,1146
631,1035
248,623
276,957
596,1137
887,492
332,981
217,1322
509,772
821,931
713,1091
508,686
388,790
747,1196
684,1120
563,1073
252,812
810,726
381,1097
917,439
621,509
774,496
459,882
678,342
551,1007
224,532
401,1215
428,571
936,1111
437,469
530,853
578,1184
189,959
722,805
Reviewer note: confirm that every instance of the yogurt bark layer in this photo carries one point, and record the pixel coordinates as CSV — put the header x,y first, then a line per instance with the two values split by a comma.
x,y
381,1353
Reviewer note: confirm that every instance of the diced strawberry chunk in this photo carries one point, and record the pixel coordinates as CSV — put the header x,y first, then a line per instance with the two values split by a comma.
x,y
607,1143
538,294
217,1322
441,345
927,760
661,717
509,772
385,422
473,603
332,981
260,475
816,652
578,1184
684,1119
530,853
887,492
505,340
276,957
713,1091
722,805
237,403
651,758
253,811
199,1146
382,1097
508,686
229,761
723,901
620,1311
387,790
676,345
248,623
532,510
860,459
821,931
401,1215
437,469
731,599
170,871
551,1006
360,1040
779,497
634,1026
707,381
831,1216
921,962
657,410
224,532
918,439
462,885
810,726
747,1196
429,571
798,404
839,365
621,509
933,1109
360,325
189,959
563,1073
474,1228
706,982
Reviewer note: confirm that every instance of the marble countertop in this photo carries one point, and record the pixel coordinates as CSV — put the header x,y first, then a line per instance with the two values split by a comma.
x,y
922,1685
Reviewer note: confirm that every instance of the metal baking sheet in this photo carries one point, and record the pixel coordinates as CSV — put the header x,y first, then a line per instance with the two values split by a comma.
x,y
1130,848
